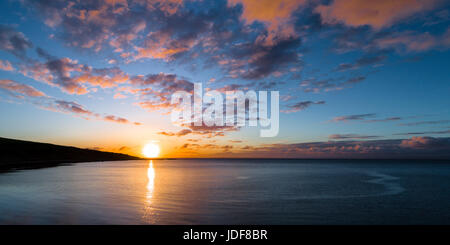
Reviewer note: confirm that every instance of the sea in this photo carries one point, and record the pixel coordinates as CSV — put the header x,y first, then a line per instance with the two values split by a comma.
x,y
230,191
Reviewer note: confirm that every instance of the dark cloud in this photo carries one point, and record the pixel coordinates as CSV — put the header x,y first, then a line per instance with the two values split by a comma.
x,y
72,107
13,41
353,117
137,29
69,75
204,130
414,148
356,79
361,62
76,109
351,136
425,123
388,119
329,84
427,143
32,95
154,90
425,132
299,106
260,61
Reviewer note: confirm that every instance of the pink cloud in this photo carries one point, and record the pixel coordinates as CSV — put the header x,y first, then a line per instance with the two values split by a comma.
x,y
274,14
421,142
119,96
6,65
19,88
160,45
378,14
411,41
169,7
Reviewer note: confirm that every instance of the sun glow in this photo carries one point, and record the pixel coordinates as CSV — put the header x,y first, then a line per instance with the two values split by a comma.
x,y
151,150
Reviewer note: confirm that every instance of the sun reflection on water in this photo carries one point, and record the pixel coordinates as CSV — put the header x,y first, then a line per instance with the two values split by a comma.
x,y
148,212
151,181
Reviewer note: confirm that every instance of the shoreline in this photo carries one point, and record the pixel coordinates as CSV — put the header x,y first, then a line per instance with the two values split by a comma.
x,y
5,168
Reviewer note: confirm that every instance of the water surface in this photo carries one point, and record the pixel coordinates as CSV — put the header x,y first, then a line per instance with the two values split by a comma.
x,y
228,192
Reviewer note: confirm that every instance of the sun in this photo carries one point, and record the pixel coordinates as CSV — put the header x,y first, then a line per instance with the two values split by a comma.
x,y
151,150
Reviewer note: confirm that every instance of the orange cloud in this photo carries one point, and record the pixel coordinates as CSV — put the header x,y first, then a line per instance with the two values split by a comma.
x,y
411,41
72,77
6,65
112,118
12,86
420,142
119,96
378,14
169,7
159,45
274,14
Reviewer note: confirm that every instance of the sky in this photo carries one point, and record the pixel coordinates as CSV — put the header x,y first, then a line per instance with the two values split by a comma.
x,y
356,78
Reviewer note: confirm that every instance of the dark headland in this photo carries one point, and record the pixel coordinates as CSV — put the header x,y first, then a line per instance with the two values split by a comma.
x,y
19,154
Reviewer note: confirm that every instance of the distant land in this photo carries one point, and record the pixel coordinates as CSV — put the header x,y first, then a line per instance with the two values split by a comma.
x,y
20,154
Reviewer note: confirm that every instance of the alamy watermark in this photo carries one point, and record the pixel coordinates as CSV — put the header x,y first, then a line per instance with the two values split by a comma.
x,y
208,109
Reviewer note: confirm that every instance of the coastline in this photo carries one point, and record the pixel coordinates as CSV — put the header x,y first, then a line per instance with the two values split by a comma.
x,y
20,155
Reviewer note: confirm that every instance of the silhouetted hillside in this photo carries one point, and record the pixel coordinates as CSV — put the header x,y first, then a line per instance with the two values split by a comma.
x,y
19,154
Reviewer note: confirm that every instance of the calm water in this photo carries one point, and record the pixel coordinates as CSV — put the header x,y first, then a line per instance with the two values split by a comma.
x,y
228,192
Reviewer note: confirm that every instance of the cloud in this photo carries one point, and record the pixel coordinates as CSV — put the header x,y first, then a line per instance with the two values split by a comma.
x,y
55,72
20,89
377,14
119,96
351,136
415,42
86,24
276,15
387,41
40,99
199,147
236,141
69,75
166,133
122,25
256,61
169,7
161,45
76,109
182,132
212,31
425,123
232,87
299,106
361,62
204,131
72,107
155,90
13,41
426,143
414,148
287,97
329,84
6,66
353,117
425,132
388,119
112,118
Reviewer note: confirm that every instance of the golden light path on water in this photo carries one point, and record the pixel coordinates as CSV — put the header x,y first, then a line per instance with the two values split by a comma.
x,y
150,191
151,181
